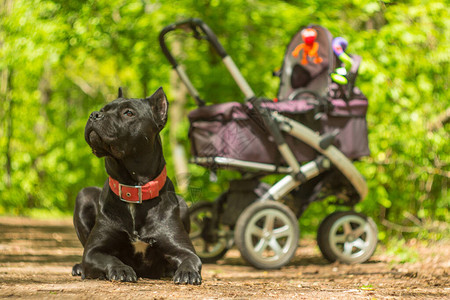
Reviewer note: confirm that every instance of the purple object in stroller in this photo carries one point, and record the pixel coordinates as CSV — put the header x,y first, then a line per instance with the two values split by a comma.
x,y
311,134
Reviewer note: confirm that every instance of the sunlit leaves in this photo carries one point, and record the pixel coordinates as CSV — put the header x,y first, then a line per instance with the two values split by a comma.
x,y
68,58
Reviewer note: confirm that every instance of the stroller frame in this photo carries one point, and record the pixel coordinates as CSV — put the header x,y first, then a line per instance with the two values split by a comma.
x,y
277,124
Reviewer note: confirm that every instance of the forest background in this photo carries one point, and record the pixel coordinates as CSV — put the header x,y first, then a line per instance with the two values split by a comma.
x,y
62,59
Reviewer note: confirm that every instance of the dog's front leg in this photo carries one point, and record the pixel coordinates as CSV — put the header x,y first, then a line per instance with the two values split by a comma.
x,y
101,265
189,270
170,238
187,264
104,254
177,249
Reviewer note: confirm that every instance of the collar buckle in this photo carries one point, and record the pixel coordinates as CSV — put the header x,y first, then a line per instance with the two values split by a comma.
x,y
138,187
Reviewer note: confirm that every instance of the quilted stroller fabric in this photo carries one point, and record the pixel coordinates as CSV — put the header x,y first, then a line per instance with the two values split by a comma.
x,y
230,130
234,130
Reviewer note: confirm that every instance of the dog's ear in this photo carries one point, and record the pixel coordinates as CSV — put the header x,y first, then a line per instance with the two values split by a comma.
x,y
160,105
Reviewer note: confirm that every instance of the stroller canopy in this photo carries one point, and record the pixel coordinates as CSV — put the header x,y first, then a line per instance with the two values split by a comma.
x,y
312,75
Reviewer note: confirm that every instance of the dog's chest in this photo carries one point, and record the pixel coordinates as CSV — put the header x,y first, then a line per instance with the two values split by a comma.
x,y
139,246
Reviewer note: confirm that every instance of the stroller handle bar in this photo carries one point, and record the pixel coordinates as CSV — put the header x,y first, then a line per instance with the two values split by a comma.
x,y
201,31
194,25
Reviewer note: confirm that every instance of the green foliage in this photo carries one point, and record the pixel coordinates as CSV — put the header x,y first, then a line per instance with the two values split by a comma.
x,y
60,60
401,252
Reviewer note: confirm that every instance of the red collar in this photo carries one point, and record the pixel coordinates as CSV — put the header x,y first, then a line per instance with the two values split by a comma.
x,y
135,194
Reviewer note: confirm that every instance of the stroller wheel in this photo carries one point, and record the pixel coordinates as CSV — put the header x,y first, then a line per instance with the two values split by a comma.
x,y
210,244
348,237
267,234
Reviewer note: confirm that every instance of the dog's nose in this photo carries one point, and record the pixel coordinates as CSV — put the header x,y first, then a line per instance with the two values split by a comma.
x,y
96,115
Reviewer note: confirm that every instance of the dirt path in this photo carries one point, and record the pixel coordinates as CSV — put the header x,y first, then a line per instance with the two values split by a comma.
x,y
36,258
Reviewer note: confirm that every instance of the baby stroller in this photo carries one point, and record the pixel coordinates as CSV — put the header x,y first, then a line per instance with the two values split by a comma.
x,y
311,134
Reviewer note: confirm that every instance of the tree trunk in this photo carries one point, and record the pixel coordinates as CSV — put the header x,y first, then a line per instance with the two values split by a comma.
x,y
177,112
6,79
6,86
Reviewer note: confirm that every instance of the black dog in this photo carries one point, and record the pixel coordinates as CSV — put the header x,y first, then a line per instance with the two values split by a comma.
x,y
136,226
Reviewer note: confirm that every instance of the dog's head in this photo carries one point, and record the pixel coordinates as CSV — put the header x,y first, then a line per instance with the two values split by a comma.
x,y
124,126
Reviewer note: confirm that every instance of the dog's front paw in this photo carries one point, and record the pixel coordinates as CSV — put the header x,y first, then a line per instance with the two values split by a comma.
x,y
76,270
187,274
122,273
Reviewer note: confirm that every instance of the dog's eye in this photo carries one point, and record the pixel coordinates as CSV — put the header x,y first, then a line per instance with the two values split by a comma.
x,y
128,113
